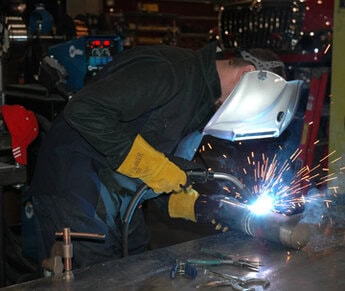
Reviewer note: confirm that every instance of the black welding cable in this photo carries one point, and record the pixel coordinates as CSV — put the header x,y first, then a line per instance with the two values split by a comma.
x,y
129,214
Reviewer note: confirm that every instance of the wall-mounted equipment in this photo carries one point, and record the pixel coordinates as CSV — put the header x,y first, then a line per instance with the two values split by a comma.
x,y
84,57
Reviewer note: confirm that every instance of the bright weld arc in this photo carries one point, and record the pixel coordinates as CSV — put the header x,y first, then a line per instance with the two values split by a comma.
x,y
263,205
268,173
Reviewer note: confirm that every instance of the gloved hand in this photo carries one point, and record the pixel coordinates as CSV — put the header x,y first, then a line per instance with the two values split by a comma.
x,y
153,168
194,171
210,209
192,206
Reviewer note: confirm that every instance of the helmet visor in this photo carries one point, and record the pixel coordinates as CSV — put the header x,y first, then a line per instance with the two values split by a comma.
x,y
262,105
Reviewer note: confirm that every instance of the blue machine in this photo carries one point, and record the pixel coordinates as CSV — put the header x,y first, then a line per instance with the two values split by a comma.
x,y
41,21
84,57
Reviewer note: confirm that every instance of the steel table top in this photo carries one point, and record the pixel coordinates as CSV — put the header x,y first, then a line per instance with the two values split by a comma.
x,y
313,268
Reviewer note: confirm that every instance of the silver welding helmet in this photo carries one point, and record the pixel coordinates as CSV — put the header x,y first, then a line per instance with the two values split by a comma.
x,y
261,105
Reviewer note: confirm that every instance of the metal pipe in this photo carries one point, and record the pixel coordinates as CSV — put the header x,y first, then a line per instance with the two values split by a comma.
x,y
273,227
289,231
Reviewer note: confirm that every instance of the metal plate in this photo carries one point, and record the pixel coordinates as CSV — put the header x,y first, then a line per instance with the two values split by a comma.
x,y
320,269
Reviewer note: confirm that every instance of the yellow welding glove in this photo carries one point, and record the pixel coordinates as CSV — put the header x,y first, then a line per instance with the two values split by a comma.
x,y
181,205
153,168
192,206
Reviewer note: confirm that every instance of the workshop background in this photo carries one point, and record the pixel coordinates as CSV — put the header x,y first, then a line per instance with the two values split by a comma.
x,y
308,35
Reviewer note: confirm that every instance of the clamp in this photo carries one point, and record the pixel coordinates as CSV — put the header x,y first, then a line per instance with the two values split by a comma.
x,y
64,250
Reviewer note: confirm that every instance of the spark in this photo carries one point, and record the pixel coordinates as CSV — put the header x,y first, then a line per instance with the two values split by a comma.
x,y
285,196
327,156
286,182
288,257
226,189
336,160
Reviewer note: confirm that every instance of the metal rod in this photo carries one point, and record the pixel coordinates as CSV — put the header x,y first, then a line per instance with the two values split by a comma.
x,y
67,245
82,234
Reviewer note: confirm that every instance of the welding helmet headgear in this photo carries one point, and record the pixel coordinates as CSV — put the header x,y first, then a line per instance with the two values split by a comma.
x,y
261,105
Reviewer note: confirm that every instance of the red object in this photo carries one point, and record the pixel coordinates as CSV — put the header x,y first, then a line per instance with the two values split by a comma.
x,y
96,42
318,15
23,127
318,86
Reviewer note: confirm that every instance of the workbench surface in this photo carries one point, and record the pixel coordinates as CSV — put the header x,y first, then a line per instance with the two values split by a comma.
x,y
319,266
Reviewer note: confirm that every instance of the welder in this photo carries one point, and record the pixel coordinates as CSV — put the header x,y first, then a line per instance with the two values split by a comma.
x,y
125,128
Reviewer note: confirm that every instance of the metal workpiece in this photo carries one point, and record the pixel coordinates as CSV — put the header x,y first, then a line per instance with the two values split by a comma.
x,y
283,268
287,230
294,232
290,231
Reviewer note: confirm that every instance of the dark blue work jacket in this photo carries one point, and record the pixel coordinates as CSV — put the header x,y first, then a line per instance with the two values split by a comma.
x,y
163,93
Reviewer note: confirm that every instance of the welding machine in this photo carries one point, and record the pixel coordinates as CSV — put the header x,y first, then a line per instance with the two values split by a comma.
x,y
84,57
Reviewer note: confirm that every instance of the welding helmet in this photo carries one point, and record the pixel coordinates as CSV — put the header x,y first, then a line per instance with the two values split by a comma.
x,y
261,105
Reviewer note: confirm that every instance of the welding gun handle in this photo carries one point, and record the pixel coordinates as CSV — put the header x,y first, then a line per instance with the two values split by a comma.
x,y
200,175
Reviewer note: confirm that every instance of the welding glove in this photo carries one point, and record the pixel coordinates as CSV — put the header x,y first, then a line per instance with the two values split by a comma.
x,y
198,208
195,171
153,168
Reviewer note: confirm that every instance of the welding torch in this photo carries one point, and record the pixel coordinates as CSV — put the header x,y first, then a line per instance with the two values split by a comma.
x,y
289,231
196,176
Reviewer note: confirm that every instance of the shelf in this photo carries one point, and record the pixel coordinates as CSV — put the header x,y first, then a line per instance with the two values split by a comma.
x,y
198,18
151,28
193,35
186,25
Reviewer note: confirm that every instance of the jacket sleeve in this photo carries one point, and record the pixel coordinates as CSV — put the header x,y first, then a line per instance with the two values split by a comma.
x,y
102,111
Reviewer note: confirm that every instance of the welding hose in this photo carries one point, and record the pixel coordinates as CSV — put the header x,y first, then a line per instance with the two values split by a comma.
x,y
139,194
197,176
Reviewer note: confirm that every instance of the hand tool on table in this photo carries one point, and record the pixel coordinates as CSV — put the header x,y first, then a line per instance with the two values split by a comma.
x,y
216,262
237,283
226,259
183,268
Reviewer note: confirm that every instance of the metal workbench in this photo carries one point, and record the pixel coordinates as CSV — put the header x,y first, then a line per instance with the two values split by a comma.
x,y
314,268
